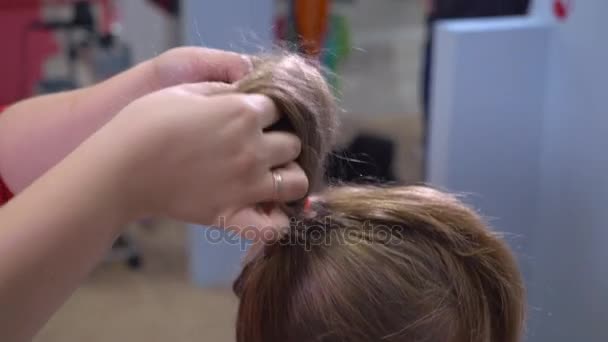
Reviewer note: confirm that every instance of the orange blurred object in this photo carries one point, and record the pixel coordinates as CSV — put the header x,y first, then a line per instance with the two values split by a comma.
x,y
311,19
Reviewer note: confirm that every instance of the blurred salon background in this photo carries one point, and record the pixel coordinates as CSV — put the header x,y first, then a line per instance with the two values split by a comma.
x,y
500,100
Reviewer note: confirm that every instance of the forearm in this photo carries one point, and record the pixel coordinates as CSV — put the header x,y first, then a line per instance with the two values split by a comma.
x,y
36,134
51,237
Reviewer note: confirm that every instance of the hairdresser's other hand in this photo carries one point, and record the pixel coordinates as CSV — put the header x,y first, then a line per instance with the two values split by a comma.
x,y
192,155
197,64
54,125
182,65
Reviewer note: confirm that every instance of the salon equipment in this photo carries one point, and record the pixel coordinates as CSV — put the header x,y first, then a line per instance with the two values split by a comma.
x,y
85,27
317,29
35,26
310,20
110,56
79,32
337,47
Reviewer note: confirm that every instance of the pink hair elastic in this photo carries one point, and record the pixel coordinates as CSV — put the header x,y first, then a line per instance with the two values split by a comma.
x,y
307,204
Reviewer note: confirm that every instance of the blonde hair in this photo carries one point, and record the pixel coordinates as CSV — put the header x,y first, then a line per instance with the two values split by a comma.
x,y
300,92
371,263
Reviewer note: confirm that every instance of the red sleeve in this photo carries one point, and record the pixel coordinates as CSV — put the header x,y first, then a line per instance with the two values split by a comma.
x,y
5,193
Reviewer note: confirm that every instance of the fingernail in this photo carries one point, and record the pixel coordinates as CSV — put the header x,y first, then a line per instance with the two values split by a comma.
x,y
248,63
258,102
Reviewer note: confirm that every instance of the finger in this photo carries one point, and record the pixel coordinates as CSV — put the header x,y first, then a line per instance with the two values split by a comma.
x,y
261,106
276,224
268,112
281,147
197,64
208,88
291,185
219,66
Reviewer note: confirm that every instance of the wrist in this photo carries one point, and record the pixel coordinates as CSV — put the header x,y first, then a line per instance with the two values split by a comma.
x,y
111,96
101,185
97,172
120,161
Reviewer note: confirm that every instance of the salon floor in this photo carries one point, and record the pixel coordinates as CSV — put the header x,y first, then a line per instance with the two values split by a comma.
x,y
155,303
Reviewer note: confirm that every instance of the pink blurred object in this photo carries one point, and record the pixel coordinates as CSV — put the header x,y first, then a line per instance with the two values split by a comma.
x,y
280,28
22,61
20,4
25,52
561,8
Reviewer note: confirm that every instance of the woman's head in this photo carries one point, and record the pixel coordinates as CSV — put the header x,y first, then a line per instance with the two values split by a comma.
x,y
383,264
370,263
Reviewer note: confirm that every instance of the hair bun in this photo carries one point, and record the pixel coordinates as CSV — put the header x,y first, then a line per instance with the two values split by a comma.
x,y
302,95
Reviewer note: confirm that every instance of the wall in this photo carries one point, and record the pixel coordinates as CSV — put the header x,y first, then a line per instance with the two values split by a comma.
x,y
384,63
147,29
519,120
237,25
486,119
571,281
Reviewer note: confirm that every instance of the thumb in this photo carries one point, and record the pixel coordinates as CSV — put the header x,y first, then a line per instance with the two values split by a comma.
x,y
209,88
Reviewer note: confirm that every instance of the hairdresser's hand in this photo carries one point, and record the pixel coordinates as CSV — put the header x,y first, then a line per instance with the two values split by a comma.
x,y
185,154
264,222
54,125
